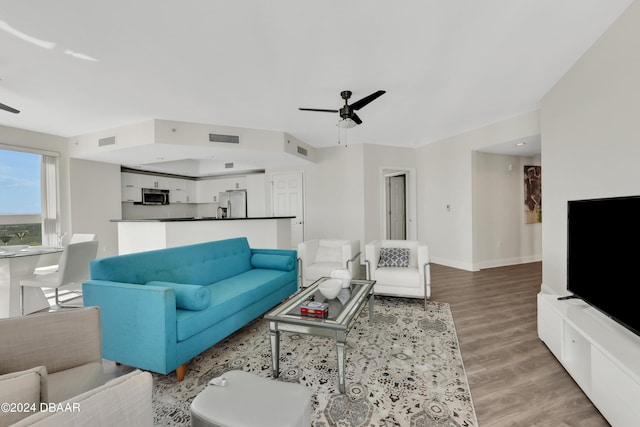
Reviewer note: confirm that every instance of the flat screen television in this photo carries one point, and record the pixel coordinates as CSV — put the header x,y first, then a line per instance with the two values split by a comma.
x,y
603,259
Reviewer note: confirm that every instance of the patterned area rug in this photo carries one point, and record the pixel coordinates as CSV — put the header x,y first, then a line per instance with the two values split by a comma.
x,y
404,370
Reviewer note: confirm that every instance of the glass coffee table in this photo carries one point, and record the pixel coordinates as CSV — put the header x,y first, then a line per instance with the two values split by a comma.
x,y
343,311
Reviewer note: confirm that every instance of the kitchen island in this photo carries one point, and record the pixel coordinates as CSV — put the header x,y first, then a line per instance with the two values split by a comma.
x,y
137,235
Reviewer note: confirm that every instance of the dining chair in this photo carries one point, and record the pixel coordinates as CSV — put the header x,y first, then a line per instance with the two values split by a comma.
x,y
75,238
73,270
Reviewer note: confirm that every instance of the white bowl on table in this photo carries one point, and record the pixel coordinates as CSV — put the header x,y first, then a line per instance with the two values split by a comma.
x,y
330,288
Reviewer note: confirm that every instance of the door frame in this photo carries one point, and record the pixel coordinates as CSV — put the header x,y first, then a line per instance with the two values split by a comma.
x,y
410,200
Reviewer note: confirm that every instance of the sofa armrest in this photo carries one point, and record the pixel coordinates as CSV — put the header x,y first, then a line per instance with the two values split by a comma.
x,y
59,341
138,323
371,256
307,251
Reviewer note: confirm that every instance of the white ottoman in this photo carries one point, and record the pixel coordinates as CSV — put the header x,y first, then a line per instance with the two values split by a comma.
x,y
248,400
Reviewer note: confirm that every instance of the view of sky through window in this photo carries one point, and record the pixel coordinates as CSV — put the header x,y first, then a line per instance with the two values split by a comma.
x,y
19,183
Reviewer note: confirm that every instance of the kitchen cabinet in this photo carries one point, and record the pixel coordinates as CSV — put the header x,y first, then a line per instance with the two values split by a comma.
x,y
235,183
181,190
207,190
130,191
152,181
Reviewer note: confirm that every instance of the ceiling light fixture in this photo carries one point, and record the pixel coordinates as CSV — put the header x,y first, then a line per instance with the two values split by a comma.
x,y
520,144
346,123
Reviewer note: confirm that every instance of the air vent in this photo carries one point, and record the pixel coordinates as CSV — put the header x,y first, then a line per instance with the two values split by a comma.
x,y
302,151
106,141
228,139
228,165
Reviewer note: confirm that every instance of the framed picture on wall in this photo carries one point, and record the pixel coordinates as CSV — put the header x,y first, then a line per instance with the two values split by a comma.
x,y
532,194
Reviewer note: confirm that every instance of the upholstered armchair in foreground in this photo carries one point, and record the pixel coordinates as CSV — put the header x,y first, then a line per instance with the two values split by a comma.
x,y
49,357
399,267
319,257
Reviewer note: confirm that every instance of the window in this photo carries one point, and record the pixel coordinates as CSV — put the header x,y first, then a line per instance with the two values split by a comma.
x,y
28,197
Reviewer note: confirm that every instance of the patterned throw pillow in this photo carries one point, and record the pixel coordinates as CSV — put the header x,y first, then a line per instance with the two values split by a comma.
x,y
394,257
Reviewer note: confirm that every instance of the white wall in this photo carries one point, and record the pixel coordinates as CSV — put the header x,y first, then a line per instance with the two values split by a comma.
x,y
502,237
590,136
445,179
95,200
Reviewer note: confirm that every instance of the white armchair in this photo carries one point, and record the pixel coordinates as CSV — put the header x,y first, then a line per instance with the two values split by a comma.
x,y
319,257
395,274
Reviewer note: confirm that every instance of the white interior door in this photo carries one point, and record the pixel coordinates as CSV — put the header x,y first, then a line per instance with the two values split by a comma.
x,y
396,208
288,200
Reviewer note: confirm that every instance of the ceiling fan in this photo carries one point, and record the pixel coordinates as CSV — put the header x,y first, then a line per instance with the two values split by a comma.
x,y
9,109
347,113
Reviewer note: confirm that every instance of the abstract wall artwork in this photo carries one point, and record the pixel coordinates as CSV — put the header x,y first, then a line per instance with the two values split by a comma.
x,y
532,194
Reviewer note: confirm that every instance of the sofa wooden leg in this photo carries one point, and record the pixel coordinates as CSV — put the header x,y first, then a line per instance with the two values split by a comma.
x,y
180,371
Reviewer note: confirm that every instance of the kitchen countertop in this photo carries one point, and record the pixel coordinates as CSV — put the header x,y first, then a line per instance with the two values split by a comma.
x,y
196,218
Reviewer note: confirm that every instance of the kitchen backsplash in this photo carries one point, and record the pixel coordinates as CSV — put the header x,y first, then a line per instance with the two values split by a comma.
x,y
175,210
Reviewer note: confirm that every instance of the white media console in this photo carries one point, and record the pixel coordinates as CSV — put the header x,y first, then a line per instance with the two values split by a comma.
x,y
602,356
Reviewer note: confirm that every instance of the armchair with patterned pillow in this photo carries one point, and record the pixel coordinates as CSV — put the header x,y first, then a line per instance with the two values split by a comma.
x,y
399,267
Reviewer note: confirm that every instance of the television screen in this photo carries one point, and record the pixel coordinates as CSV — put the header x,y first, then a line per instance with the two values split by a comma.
x,y
603,261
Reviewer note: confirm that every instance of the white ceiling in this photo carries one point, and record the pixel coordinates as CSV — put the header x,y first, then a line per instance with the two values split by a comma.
x,y
77,66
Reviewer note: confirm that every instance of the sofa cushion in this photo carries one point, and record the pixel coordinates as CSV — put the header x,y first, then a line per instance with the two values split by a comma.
x,y
321,269
230,296
188,297
394,257
198,264
63,385
403,277
273,262
24,389
329,254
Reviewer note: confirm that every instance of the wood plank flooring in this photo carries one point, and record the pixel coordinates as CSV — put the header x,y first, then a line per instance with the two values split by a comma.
x,y
514,378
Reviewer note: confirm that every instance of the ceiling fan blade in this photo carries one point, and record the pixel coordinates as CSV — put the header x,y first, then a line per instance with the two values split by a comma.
x,y
9,109
356,119
367,99
318,109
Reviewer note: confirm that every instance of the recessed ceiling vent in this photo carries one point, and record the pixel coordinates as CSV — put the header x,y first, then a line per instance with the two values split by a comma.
x,y
228,139
228,165
110,140
302,151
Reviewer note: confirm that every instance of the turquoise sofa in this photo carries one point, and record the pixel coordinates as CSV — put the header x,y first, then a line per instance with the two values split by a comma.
x,y
163,307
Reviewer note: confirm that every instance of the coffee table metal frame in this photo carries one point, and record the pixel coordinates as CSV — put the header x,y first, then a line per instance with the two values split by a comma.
x,y
286,317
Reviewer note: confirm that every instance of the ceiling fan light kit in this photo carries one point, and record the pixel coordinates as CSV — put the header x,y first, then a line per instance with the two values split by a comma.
x,y
346,123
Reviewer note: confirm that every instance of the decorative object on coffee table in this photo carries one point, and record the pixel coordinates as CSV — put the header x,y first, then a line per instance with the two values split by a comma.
x,y
330,288
344,275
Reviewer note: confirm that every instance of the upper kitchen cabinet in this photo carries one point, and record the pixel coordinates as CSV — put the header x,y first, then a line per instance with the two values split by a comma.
x,y
153,181
131,187
181,190
236,183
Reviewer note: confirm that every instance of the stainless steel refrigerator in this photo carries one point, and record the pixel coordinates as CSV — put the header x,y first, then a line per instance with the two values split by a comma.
x,y
235,203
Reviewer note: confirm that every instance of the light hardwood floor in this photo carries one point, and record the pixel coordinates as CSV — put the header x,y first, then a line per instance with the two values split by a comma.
x,y
514,378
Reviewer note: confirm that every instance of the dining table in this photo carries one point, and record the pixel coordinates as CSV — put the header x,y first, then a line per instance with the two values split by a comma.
x,y
19,262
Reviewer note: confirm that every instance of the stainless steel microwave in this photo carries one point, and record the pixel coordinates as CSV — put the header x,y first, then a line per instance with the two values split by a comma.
x,y
154,196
